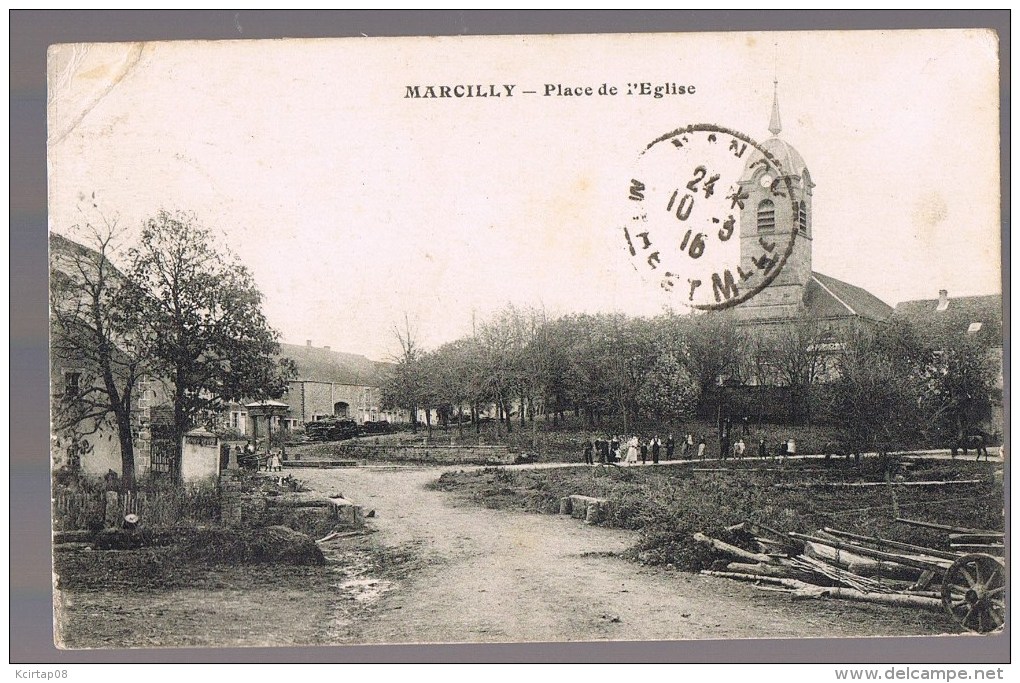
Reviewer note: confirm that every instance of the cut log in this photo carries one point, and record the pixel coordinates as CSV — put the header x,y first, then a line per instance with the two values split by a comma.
x,y
771,570
769,536
842,576
886,544
907,560
858,564
731,549
754,578
897,599
944,527
807,590
565,505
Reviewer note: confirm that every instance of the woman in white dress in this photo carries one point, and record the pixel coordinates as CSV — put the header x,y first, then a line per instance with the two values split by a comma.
x,y
632,451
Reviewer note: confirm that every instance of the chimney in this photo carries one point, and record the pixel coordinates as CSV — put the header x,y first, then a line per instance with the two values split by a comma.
x,y
308,342
943,300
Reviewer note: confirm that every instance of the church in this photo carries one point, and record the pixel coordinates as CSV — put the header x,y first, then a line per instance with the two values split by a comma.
x,y
798,293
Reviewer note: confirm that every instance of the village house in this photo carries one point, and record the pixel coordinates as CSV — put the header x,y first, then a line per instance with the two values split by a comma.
x,y
328,384
977,319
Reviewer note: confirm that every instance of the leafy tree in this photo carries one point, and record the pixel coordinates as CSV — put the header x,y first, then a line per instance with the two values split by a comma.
x,y
203,311
957,374
875,396
712,347
501,346
94,331
669,391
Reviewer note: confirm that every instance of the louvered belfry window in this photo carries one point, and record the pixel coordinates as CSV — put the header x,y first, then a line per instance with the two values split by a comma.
x,y
766,216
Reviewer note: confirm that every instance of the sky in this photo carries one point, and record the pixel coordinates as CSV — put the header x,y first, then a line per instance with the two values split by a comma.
x,y
354,205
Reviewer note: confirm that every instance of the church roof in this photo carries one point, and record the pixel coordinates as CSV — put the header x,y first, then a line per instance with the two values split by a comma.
x,y
789,159
827,297
316,364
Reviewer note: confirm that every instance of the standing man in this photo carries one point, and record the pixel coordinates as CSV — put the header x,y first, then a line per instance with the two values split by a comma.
x,y
724,440
589,452
670,447
763,451
656,446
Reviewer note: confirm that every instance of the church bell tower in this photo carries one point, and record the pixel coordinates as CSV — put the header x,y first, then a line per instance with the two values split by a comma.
x,y
771,217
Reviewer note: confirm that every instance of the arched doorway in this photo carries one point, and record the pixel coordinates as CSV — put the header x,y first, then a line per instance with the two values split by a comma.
x,y
341,409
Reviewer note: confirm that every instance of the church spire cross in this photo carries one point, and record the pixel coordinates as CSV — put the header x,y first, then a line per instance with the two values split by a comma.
x,y
774,124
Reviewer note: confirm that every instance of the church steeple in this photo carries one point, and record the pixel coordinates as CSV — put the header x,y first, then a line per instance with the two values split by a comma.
x,y
774,124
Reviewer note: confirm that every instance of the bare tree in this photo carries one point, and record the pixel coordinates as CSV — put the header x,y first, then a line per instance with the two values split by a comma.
x,y
96,338
797,351
405,386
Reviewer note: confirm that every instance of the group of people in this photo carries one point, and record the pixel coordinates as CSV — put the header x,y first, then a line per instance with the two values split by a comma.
x,y
612,450
248,458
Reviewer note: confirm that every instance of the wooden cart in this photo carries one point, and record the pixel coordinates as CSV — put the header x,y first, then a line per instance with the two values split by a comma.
x,y
973,587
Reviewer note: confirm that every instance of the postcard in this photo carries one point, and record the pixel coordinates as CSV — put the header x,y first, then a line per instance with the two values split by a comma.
x,y
679,336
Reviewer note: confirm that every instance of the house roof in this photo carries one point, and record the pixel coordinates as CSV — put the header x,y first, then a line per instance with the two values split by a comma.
x,y
827,297
959,316
316,364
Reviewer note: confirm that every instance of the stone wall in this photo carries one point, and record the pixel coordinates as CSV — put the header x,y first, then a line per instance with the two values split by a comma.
x,y
308,512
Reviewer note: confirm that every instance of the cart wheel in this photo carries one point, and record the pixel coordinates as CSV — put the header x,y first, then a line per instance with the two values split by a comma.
x,y
974,592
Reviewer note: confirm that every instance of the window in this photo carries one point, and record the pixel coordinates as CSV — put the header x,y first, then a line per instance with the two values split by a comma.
x,y
72,384
802,217
766,216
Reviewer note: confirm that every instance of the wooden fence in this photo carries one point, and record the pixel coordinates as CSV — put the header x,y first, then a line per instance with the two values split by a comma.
x,y
92,509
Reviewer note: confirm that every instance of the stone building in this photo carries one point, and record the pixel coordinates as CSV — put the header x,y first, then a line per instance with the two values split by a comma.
x,y
328,384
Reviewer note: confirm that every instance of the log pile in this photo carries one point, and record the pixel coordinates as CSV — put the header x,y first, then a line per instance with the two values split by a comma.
x,y
840,564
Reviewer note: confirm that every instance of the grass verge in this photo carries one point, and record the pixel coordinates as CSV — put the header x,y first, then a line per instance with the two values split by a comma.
x,y
668,504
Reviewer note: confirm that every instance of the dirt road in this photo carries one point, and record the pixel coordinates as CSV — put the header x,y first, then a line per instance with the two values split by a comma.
x,y
497,575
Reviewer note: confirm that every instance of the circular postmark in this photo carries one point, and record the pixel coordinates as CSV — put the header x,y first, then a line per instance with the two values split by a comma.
x,y
702,205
